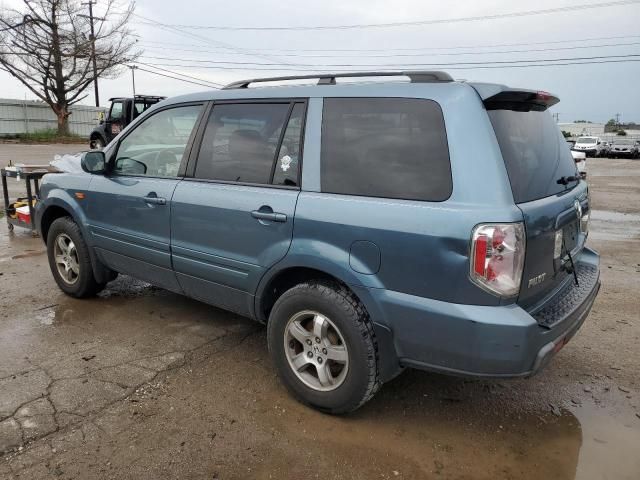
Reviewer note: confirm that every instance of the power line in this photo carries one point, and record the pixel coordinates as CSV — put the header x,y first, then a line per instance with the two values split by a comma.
x,y
569,8
403,65
180,74
381,67
527,44
174,78
217,43
395,55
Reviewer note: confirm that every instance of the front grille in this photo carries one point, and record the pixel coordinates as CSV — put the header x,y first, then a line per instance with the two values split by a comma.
x,y
569,298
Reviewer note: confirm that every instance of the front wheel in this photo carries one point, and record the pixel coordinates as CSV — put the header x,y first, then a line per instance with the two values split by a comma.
x,y
322,343
96,144
69,259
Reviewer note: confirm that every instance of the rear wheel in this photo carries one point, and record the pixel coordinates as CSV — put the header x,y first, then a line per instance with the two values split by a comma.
x,y
69,259
322,343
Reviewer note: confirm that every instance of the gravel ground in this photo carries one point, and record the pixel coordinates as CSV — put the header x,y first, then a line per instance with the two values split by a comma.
x,y
140,383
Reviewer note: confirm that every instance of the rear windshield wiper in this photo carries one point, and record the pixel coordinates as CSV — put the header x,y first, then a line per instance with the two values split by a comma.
x,y
571,268
567,180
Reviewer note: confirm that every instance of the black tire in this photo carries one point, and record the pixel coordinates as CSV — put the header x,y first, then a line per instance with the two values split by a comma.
x,y
96,144
340,305
85,284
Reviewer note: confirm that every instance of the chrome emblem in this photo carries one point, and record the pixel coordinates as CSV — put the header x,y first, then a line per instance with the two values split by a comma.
x,y
537,280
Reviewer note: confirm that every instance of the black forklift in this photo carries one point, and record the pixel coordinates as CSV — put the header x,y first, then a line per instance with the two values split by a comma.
x,y
122,112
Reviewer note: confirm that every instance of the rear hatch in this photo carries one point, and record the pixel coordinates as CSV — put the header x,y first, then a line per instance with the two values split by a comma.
x,y
546,187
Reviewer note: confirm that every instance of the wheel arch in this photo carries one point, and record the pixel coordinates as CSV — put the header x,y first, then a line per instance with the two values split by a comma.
x,y
58,207
277,281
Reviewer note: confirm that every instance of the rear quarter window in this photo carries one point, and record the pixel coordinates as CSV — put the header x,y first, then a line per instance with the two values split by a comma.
x,y
385,147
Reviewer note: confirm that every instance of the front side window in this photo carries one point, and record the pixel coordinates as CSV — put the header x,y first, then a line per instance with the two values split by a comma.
x,y
240,142
156,147
116,111
385,147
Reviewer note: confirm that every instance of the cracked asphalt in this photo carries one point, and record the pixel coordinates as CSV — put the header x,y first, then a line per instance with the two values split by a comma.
x,y
142,383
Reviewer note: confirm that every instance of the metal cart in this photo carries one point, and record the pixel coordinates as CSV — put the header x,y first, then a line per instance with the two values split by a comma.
x,y
30,174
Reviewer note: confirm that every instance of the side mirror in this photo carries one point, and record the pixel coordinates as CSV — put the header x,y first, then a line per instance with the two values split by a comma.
x,y
94,162
599,143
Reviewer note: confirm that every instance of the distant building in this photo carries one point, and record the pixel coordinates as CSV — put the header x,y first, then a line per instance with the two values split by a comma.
x,y
582,128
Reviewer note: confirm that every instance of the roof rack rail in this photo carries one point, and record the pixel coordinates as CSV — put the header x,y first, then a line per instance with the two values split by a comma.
x,y
330,78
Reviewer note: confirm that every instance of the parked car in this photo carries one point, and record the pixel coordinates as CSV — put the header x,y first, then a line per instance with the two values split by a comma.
x,y
431,224
121,113
591,146
624,148
581,162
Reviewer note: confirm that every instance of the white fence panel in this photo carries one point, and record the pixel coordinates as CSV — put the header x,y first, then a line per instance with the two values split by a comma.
x,y
28,116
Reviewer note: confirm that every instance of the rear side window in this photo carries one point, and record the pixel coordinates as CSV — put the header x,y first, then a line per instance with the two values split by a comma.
x,y
385,147
240,142
534,152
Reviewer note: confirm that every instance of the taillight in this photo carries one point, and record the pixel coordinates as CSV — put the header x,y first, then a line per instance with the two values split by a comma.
x,y
497,257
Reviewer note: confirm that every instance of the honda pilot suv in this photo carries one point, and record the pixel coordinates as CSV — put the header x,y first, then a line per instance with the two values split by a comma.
x,y
371,226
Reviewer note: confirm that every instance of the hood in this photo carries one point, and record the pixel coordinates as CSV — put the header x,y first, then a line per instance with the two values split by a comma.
x,y
68,163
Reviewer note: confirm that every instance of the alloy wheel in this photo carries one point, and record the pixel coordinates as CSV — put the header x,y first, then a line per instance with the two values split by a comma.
x,y
316,351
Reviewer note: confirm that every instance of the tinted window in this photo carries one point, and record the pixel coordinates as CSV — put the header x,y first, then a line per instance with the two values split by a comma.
x,y
385,147
116,111
240,142
290,153
156,146
534,152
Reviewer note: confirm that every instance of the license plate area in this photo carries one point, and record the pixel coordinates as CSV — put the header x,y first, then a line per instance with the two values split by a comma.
x,y
570,235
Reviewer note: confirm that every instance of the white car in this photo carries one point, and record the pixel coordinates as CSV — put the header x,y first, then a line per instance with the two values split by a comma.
x,y
591,146
581,162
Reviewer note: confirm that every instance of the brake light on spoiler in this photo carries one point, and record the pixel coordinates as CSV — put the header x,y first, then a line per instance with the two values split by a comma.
x,y
497,257
520,100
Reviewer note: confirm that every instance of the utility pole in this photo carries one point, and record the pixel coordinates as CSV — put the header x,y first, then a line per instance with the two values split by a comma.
x,y
91,3
133,78
617,119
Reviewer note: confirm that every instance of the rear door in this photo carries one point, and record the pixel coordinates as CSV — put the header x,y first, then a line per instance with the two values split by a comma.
x,y
232,218
547,189
116,120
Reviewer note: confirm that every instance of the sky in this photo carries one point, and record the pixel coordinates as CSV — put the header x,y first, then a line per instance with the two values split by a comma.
x,y
594,92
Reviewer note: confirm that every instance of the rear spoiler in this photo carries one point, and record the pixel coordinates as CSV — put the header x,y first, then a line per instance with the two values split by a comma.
x,y
500,97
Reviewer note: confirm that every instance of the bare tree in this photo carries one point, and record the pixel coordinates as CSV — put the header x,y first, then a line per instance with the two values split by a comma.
x,y
48,47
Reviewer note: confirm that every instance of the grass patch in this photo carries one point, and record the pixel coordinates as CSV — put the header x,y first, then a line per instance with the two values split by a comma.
x,y
46,136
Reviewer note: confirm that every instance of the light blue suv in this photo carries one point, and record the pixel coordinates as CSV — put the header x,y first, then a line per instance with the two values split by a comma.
x,y
372,226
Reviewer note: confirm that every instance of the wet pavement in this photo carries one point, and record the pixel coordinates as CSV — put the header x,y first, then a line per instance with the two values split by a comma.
x,y
142,383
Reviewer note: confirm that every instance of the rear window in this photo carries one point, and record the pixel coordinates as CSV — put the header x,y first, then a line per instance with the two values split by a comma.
x,y
587,140
534,152
385,147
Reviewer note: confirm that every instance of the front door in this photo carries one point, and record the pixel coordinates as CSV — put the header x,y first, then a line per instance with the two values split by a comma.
x,y
233,218
129,209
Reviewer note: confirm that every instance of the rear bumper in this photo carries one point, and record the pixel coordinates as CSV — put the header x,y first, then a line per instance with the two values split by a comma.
x,y
485,341
622,154
587,151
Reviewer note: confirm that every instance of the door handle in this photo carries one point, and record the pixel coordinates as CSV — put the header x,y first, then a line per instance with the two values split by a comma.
x,y
268,214
153,200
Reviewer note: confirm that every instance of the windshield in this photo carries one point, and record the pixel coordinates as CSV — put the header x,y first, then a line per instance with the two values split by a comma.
x,y
623,142
586,140
534,152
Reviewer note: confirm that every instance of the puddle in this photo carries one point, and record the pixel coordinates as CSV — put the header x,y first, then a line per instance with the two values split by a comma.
x,y
608,225
610,444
